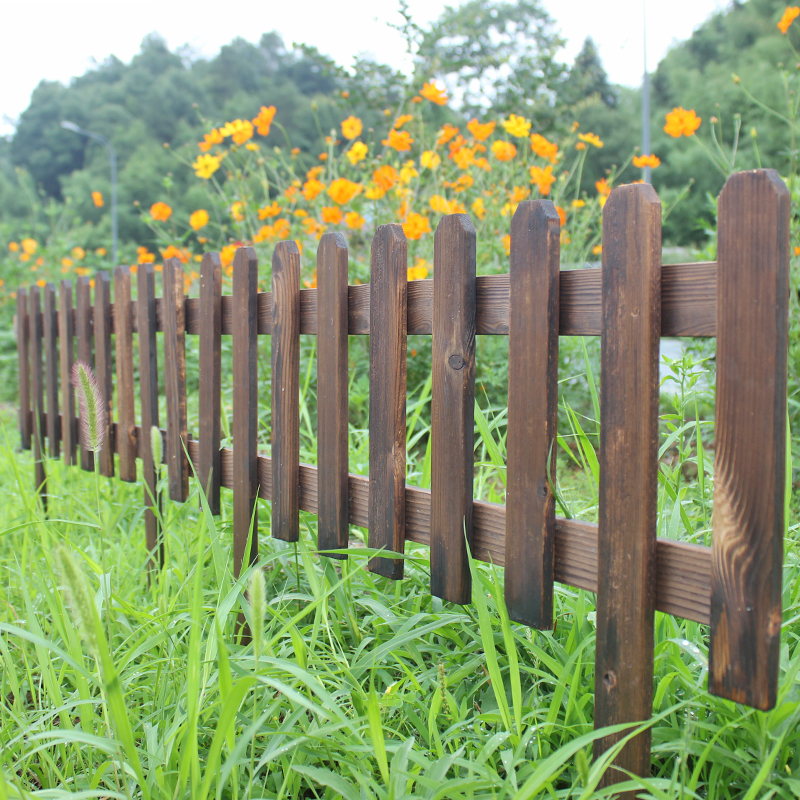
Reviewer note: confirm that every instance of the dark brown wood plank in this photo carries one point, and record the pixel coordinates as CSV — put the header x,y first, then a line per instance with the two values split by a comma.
x,y
123,341
103,367
245,408
66,334
37,390
629,387
532,413
452,407
51,370
175,379
23,330
332,402
210,377
83,327
286,391
387,397
749,486
148,387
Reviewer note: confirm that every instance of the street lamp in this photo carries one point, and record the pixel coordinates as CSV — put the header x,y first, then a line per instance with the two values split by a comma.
x,y
112,157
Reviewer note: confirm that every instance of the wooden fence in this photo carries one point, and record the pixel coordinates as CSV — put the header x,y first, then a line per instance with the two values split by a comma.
x,y
734,586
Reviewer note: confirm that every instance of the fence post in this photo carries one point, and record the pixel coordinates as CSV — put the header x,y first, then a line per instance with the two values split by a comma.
x,y
626,568
123,341
51,370
102,342
286,391
66,333
749,473
37,390
452,407
387,397
83,324
533,318
24,367
332,404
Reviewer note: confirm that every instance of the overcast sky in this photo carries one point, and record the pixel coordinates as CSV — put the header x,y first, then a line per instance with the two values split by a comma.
x,y
59,40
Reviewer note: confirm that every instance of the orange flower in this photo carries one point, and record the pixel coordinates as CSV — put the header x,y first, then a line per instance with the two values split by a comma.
x,y
789,16
516,126
681,122
354,220
174,252
352,127
603,189
332,215
580,146
543,148
323,156
97,199
651,161
597,249
314,228
29,246
418,273
160,212
481,131
518,194
264,120
101,251
464,157
478,208
503,151
282,227
240,130
441,205
385,177
399,140
342,191
562,215
13,247
143,256
311,188
507,243
591,138
66,263
402,119
226,254
295,151
447,133
199,219
236,211
269,211
433,93
415,225
211,138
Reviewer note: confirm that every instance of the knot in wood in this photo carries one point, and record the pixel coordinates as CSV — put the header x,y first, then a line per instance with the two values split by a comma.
x,y
457,362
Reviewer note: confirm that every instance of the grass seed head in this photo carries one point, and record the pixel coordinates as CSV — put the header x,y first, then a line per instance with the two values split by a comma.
x,y
79,596
91,405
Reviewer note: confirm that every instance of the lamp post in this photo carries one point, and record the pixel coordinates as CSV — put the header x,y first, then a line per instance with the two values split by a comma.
x,y
112,157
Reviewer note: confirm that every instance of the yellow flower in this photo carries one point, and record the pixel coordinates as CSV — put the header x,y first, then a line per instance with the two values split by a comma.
x,y
352,127
211,138
399,140
503,151
418,273
578,203
518,194
237,211
97,199
543,148
282,227
13,247
41,282
681,122
447,133
66,263
408,173
478,208
402,119
789,16
264,120
83,271
603,189
433,93
240,130
508,209
590,138
199,219
101,251
481,131
252,146
314,172
332,215
543,178
29,246
441,205
430,160
354,220
597,249
461,184
299,212
78,253
358,152
385,177
342,191
269,211
516,126
205,166
226,254
374,192
507,243
311,188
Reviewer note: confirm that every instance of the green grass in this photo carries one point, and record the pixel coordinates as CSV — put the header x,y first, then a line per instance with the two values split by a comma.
x,y
113,685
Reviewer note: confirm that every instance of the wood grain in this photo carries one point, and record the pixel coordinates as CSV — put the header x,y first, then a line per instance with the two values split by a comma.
x,y
749,485
626,570
452,407
148,387
245,408
23,330
286,391
50,320
175,380
123,341
103,367
332,402
84,323
37,390
66,335
387,397
210,377
532,413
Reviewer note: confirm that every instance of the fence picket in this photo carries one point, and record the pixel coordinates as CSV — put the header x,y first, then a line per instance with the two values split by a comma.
x,y
332,402
66,335
245,407
387,397
532,412
24,367
103,369
37,389
123,341
626,568
51,370
148,387
749,486
453,407
210,378
83,325
286,391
